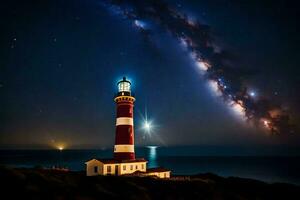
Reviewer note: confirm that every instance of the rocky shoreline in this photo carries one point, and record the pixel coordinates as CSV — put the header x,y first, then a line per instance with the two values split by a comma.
x,y
55,184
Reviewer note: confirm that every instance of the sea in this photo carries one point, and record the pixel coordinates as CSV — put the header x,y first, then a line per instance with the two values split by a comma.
x,y
265,168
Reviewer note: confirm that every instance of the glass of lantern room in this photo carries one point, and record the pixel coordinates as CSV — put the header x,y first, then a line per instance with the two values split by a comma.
x,y
124,85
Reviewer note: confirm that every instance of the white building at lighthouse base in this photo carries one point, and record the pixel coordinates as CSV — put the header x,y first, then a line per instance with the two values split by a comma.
x,y
137,167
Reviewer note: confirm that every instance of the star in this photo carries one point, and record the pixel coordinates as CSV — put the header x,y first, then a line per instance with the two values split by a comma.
x,y
252,94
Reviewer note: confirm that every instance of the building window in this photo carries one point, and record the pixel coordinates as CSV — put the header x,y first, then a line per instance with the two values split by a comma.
x,y
108,169
142,166
95,169
136,167
131,167
165,175
124,167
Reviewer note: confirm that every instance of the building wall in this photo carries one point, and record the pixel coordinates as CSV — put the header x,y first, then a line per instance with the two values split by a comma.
x,y
123,168
160,174
90,168
112,169
128,168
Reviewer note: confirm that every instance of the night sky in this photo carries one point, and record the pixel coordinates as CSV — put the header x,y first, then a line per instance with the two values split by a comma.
x,y
60,62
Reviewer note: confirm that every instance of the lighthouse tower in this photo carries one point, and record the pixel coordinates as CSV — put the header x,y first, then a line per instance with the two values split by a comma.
x,y
124,139
124,161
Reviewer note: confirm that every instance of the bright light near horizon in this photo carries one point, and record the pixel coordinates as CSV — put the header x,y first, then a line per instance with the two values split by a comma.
x,y
147,126
60,148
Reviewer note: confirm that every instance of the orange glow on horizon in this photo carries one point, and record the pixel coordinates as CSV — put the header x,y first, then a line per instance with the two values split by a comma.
x,y
60,148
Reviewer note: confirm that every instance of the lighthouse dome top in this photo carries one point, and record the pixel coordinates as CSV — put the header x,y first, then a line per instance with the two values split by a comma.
x,y
124,85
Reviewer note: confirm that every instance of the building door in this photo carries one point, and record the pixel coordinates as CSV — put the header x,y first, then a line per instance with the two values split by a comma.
x,y
116,170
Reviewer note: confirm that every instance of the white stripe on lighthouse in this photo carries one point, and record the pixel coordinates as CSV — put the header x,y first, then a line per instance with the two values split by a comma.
x,y
124,148
124,121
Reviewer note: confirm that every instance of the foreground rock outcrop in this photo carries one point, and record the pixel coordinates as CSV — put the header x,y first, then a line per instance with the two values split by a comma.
x,y
51,184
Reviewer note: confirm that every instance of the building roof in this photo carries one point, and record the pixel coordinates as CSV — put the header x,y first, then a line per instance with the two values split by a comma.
x,y
113,161
157,169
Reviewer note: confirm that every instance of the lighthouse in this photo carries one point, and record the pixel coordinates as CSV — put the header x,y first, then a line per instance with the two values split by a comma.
x,y
124,161
124,139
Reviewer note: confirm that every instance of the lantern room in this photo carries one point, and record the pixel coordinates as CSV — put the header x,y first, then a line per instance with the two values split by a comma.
x,y
124,85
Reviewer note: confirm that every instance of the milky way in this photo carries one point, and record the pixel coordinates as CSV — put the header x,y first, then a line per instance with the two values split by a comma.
x,y
226,80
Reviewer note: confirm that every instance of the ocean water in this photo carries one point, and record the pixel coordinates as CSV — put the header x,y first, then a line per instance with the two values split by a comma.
x,y
266,168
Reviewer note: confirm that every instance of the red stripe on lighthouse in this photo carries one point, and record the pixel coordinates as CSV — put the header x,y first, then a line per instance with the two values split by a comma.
x,y
125,109
124,134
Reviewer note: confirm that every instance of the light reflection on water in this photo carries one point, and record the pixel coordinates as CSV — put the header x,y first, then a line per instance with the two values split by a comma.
x,y
152,156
